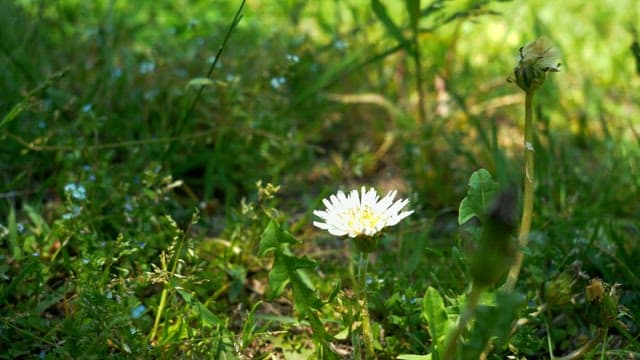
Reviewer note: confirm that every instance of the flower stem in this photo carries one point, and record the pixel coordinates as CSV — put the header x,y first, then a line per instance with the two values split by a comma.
x,y
451,346
527,207
364,307
167,288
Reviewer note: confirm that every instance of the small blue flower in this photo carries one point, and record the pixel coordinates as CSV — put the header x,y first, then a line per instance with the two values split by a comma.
x,y
147,67
76,191
278,81
116,73
137,312
293,58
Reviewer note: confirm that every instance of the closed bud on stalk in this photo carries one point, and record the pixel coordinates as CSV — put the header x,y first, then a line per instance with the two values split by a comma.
x,y
537,58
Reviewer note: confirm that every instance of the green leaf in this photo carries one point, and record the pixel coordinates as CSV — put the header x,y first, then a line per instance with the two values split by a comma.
x,y
200,82
249,326
381,12
278,277
304,295
414,357
493,323
288,269
40,224
16,110
481,190
433,311
14,245
273,237
206,316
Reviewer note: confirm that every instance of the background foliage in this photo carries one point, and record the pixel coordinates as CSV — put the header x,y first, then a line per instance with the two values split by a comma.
x,y
116,196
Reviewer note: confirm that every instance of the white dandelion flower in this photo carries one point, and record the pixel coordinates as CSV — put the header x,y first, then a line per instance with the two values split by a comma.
x,y
360,213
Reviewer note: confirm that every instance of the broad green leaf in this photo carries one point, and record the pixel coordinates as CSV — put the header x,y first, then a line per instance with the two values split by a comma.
x,y
278,277
206,316
433,311
288,269
481,190
381,12
304,295
272,237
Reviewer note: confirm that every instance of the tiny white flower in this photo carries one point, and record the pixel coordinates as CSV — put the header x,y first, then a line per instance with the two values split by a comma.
x,y
360,213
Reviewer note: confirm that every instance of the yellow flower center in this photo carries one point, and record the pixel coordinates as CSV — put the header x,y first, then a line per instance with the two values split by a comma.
x,y
362,218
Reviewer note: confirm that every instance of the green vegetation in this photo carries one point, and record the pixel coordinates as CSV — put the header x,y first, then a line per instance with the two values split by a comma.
x,y
161,161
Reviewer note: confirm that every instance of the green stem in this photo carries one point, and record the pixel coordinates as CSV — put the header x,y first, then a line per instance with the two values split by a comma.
x,y
527,207
161,306
167,287
419,80
364,306
451,346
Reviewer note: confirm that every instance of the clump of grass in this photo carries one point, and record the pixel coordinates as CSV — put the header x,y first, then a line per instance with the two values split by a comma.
x,y
107,156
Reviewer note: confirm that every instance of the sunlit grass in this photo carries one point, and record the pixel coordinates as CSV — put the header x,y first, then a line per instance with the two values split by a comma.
x,y
133,226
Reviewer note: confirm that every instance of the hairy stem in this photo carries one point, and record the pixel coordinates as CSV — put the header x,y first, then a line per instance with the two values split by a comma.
x,y
527,207
364,306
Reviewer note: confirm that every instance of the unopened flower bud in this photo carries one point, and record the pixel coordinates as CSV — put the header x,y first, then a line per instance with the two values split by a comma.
x,y
536,59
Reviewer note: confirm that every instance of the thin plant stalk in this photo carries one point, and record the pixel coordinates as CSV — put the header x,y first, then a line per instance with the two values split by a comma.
x,y
529,179
189,112
419,79
167,287
367,335
471,305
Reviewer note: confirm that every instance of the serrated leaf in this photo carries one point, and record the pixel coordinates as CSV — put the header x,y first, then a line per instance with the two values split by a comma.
x,y
482,188
206,316
304,294
278,277
273,237
434,312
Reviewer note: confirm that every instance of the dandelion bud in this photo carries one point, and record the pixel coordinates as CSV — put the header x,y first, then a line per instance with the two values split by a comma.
x,y
536,59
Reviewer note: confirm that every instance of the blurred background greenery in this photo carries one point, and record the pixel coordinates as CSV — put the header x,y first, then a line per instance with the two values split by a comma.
x,y
312,96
